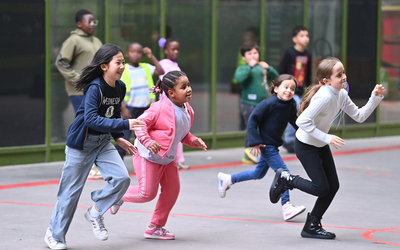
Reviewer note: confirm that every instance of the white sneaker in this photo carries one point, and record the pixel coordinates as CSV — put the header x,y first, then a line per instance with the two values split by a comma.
x,y
114,208
182,165
52,243
98,227
95,173
224,183
290,211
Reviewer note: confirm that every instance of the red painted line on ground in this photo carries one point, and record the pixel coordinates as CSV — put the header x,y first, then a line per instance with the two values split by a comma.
x,y
367,235
32,184
193,215
210,166
29,184
364,150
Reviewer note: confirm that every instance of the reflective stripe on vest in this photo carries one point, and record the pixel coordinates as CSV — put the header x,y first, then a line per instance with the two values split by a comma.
x,y
126,78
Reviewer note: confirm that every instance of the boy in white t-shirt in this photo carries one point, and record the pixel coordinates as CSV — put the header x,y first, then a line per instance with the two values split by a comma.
x,y
138,78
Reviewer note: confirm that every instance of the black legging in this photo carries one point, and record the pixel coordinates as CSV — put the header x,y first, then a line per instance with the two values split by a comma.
x,y
320,167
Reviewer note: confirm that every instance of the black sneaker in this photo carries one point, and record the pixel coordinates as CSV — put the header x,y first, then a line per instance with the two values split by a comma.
x,y
278,185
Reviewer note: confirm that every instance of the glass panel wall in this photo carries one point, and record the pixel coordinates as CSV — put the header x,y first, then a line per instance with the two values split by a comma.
x,y
326,28
389,109
282,17
190,22
362,52
325,20
136,21
62,16
22,71
238,22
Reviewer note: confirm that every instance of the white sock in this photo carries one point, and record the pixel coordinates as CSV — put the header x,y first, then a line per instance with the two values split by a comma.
x,y
93,212
230,179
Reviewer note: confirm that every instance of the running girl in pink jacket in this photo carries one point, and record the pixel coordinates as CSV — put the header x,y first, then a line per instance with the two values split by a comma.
x,y
167,122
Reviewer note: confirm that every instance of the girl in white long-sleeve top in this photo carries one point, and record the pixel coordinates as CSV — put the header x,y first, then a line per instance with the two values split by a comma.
x,y
317,110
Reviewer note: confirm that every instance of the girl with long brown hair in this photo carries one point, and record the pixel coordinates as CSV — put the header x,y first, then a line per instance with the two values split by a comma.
x,y
317,109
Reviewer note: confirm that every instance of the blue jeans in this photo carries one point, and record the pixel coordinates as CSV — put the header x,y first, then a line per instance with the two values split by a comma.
x,y
76,101
290,131
270,158
96,149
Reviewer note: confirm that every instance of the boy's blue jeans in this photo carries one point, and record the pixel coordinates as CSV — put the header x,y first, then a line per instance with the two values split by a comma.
x,y
96,149
270,158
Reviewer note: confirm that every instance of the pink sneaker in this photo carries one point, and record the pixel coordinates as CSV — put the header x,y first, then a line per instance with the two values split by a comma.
x,y
158,233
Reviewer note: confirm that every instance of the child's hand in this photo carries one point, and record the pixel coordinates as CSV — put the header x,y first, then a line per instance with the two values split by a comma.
x,y
147,51
200,144
252,62
135,124
379,90
256,149
264,65
126,145
154,147
337,142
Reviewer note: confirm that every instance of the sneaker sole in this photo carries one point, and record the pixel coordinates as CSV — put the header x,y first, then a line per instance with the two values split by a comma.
x,y
180,168
291,217
245,161
222,195
111,211
316,236
95,177
250,156
271,189
153,237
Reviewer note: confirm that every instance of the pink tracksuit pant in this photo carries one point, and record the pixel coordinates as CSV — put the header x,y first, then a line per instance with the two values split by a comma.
x,y
150,175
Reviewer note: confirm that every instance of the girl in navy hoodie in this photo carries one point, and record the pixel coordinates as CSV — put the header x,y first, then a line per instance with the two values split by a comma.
x,y
265,128
97,120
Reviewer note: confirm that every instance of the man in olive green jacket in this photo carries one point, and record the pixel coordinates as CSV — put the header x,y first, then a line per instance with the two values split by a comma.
x,y
77,52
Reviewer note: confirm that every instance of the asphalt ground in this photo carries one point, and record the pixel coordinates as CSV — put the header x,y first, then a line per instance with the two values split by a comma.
x,y
363,215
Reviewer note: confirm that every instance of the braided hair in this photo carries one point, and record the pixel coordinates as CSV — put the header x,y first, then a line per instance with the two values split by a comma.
x,y
168,82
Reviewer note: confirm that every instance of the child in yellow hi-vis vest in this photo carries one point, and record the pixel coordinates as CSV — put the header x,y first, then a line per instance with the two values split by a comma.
x,y
138,78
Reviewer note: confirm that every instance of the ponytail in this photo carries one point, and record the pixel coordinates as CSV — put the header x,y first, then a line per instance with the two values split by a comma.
x,y
307,98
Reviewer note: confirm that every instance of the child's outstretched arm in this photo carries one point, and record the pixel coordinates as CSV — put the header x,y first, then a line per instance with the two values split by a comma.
x,y
149,119
159,70
126,145
200,144
194,142
361,114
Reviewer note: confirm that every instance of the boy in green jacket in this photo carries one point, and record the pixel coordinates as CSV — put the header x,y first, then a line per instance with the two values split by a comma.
x,y
253,77
77,52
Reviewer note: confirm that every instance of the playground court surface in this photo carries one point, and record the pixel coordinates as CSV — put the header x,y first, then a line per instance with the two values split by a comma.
x,y
364,215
